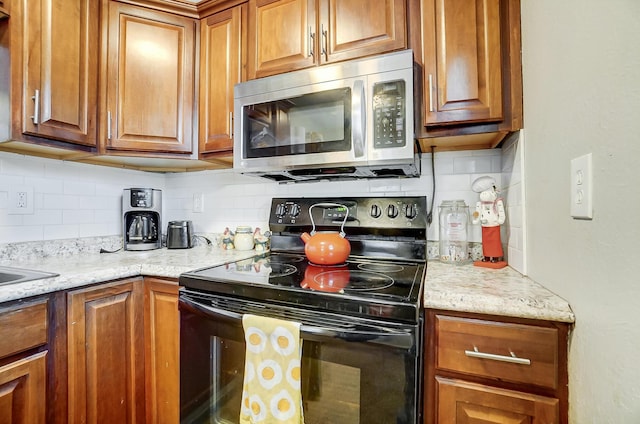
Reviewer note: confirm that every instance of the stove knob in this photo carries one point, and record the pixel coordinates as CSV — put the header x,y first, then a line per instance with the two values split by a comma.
x,y
392,211
281,210
295,210
411,211
376,211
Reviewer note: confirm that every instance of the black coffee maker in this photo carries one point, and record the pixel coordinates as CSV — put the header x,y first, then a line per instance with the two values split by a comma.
x,y
141,210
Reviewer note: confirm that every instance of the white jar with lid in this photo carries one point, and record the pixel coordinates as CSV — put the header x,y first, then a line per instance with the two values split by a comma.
x,y
454,219
243,239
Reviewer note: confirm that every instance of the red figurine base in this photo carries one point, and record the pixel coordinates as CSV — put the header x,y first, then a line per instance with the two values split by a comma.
x,y
489,264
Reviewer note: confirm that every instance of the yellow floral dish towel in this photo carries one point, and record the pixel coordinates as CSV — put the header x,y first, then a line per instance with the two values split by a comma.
x,y
271,390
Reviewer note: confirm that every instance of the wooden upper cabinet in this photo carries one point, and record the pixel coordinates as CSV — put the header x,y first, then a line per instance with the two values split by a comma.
x,y
222,66
55,70
356,28
286,35
463,77
148,88
281,36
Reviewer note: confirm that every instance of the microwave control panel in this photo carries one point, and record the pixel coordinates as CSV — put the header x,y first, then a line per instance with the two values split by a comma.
x,y
389,114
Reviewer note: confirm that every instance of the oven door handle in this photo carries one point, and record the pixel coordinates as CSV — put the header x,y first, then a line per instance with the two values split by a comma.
x,y
397,339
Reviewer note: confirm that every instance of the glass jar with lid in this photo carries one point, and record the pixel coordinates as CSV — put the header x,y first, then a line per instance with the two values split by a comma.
x,y
454,220
243,238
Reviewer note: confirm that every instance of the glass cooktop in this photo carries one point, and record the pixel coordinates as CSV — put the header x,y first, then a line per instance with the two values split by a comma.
x,y
360,286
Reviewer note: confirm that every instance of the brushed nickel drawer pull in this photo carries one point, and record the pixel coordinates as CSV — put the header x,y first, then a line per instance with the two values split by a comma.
x,y
503,358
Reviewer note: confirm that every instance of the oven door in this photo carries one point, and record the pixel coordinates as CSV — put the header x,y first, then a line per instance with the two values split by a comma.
x,y
351,372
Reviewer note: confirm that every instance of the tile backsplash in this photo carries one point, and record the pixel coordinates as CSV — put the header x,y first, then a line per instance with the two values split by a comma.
x,y
72,200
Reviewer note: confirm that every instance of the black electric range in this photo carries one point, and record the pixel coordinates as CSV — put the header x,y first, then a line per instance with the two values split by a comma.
x,y
382,278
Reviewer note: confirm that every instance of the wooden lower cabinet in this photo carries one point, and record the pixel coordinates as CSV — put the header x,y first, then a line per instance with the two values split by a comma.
x,y
23,361
483,369
106,353
461,402
23,390
123,352
162,345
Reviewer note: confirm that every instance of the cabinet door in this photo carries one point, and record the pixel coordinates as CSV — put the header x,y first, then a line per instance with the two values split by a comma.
x,y
460,402
162,344
462,54
149,80
356,28
222,60
282,36
106,353
56,85
23,390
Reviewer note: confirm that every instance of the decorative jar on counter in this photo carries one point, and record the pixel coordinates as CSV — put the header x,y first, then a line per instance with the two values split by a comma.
x,y
454,220
243,239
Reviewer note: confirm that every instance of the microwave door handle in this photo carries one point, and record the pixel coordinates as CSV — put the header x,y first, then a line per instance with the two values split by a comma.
x,y
395,339
358,118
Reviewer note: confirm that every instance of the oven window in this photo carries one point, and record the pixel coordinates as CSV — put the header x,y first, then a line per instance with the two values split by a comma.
x,y
312,123
342,382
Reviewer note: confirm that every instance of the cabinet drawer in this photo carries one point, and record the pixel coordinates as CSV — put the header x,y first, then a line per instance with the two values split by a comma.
x,y
510,352
22,327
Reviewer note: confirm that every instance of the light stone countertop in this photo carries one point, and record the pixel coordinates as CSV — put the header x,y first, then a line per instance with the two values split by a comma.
x,y
88,268
505,292
463,288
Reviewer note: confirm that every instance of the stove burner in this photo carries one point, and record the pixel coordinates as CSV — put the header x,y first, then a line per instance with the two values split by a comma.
x,y
281,270
369,281
286,259
380,267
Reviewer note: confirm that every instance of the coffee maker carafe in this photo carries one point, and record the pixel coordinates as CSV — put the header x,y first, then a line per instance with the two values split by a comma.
x,y
141,209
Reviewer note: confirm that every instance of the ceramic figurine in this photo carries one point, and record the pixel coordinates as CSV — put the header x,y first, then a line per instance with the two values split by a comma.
x,y
491,215
261,240
227,239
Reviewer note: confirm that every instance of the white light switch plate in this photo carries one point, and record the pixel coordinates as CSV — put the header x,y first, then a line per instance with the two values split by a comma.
x,y
198,202
582,187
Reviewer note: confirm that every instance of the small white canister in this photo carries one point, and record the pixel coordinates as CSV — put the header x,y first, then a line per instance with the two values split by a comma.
x,y
243,239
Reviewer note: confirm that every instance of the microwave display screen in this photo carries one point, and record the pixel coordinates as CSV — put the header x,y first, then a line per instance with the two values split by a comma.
x,y
312,123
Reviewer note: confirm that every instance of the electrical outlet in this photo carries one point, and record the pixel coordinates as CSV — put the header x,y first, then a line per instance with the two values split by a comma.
x,y
582,187
198,202
21,201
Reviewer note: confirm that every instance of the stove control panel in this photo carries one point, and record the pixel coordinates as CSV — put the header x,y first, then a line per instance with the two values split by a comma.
x,y
376,212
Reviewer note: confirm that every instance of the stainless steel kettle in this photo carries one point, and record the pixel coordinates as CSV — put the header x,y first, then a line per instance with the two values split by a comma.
x,y
180,235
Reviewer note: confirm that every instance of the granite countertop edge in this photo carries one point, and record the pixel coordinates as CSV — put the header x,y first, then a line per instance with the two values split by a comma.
x,y
461,288
80,270
503,292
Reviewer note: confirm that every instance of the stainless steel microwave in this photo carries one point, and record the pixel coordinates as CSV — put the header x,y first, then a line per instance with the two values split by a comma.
x,y
353,119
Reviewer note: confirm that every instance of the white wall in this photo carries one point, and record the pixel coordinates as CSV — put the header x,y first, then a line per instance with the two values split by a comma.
x,y
581,61
232,200
70,199
76,200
